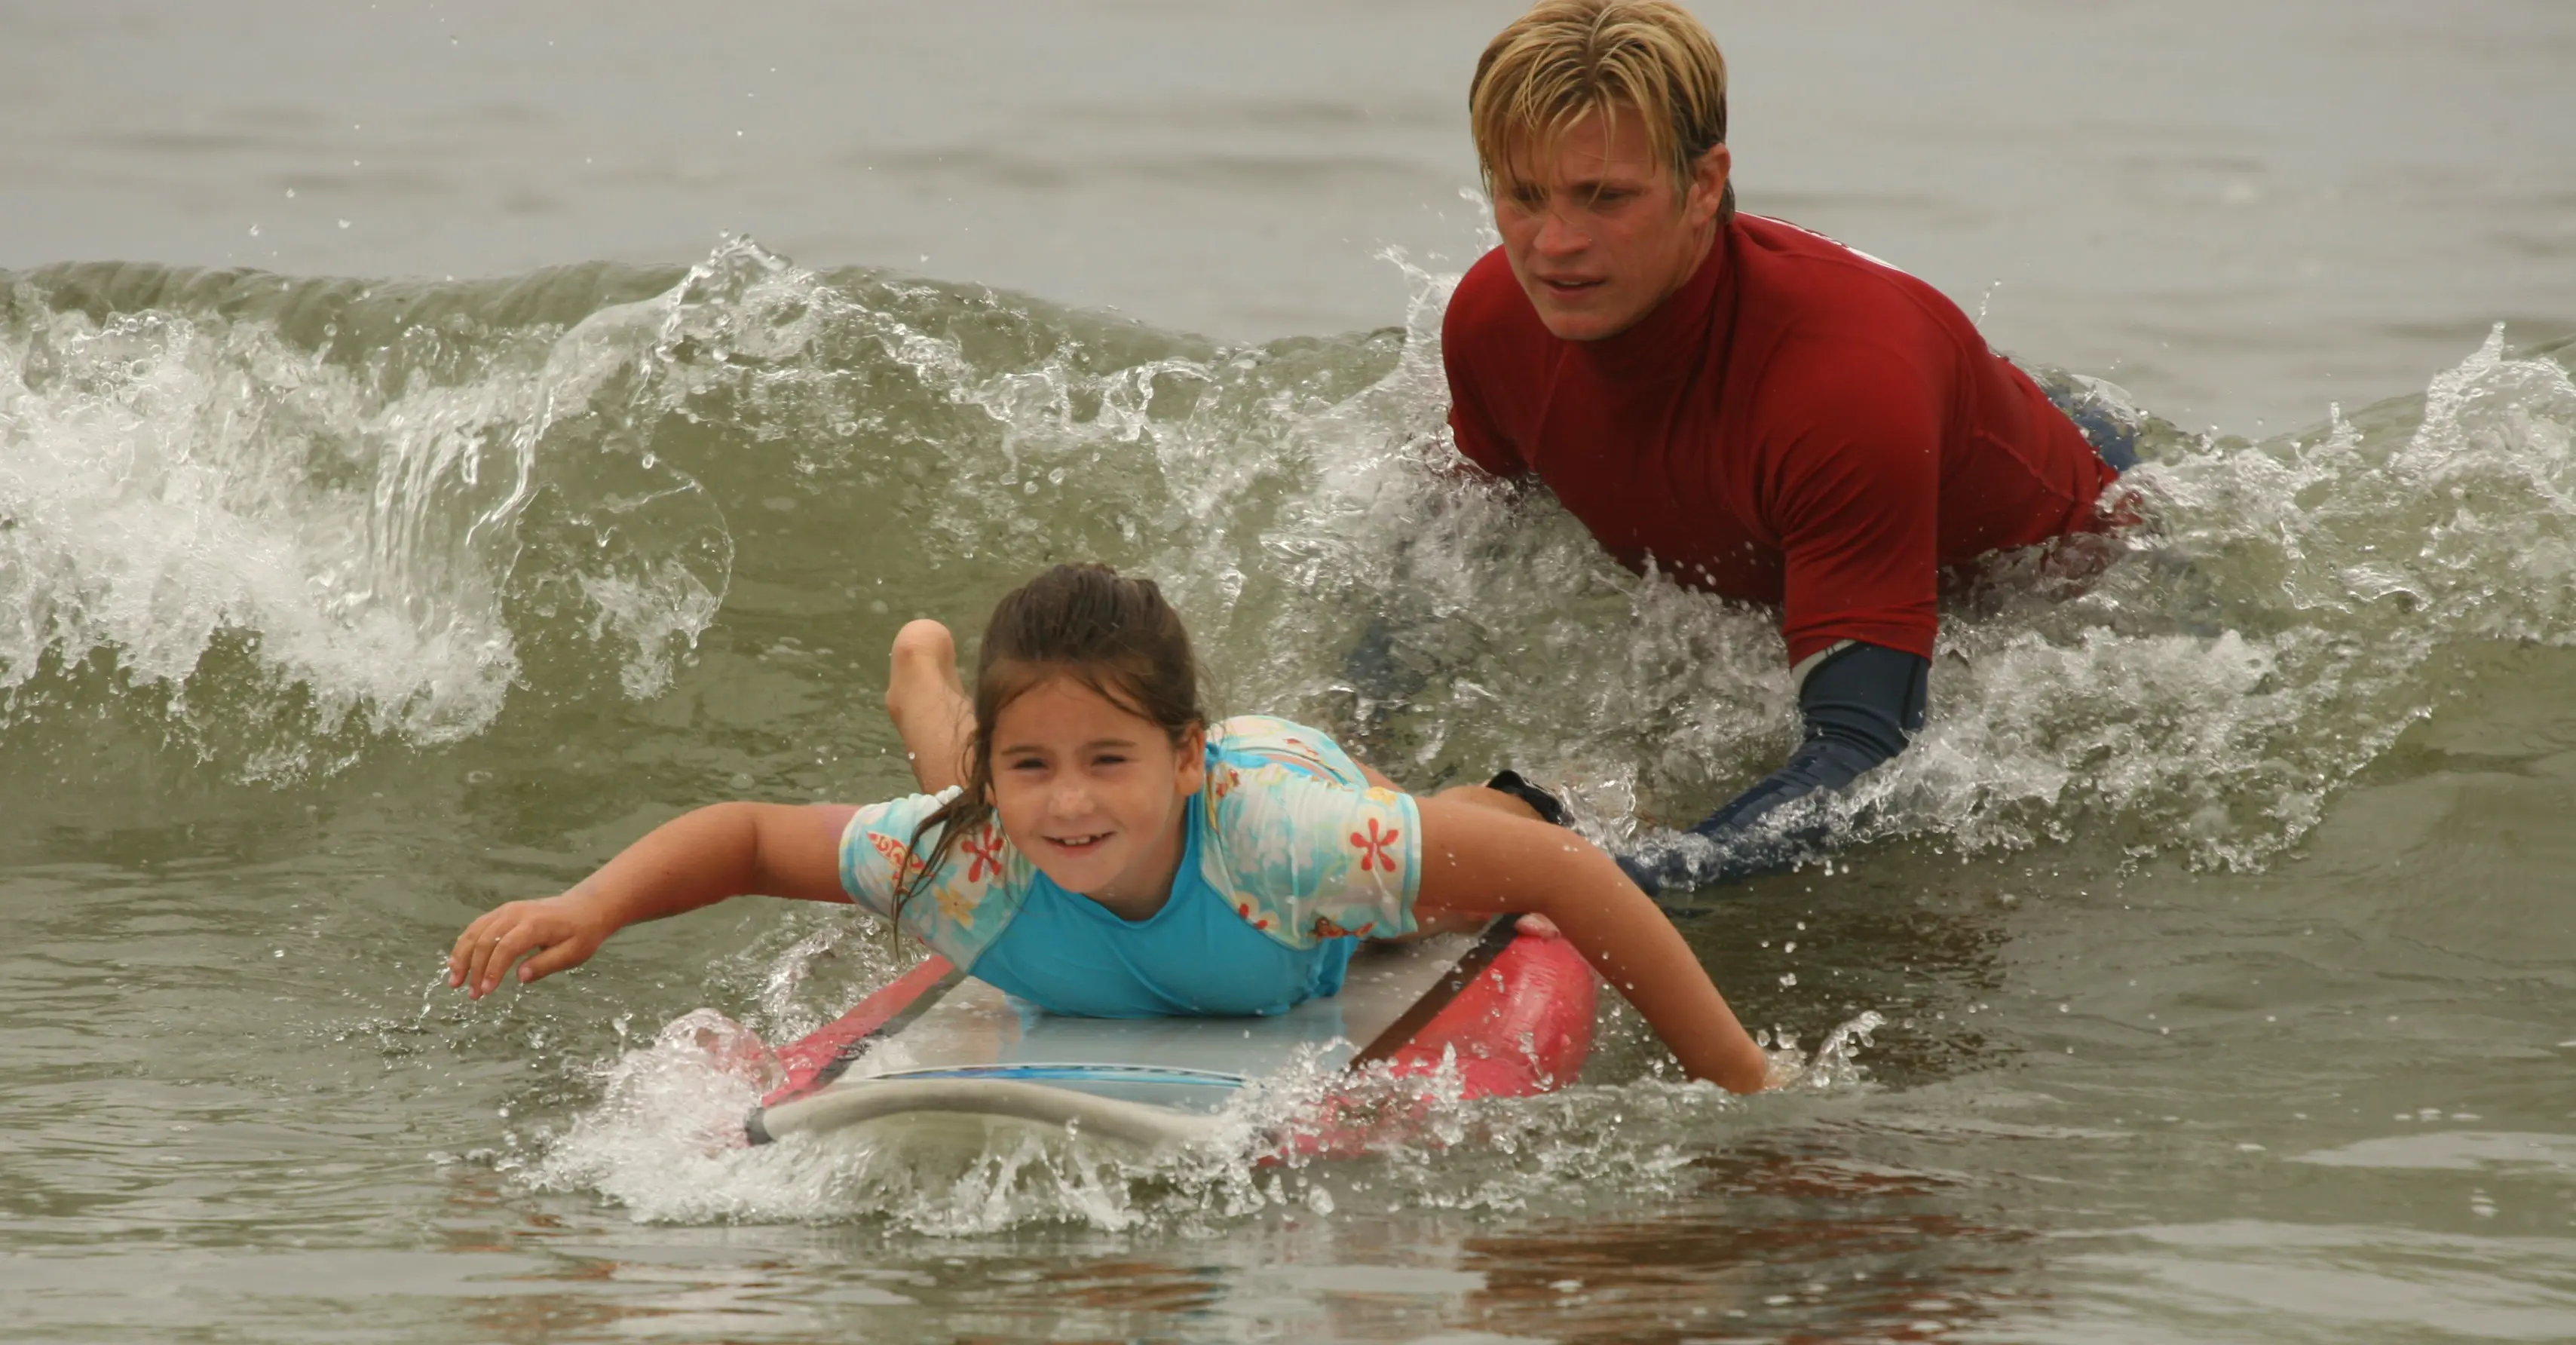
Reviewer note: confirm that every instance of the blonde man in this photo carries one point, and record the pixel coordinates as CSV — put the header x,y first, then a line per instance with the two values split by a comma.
x,y
1749,407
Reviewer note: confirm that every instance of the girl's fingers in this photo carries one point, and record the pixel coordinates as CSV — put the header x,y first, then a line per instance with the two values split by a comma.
x,y
472,946
476,951
467,944
469,947
460,957
501,936
496,946
564,953
514,943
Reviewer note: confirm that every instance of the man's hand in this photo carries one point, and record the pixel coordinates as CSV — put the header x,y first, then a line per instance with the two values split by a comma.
x,y
1861,703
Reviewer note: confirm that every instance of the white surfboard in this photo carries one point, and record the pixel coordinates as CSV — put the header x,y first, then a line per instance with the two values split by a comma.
x,y
953,1053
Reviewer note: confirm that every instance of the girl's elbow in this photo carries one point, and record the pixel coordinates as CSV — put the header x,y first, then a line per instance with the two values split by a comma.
x,y
1749,1072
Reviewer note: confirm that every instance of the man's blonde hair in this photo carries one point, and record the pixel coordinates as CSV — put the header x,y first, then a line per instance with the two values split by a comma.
x,y
1567,58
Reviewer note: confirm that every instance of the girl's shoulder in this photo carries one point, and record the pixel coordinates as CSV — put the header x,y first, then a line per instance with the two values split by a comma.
x,y
1299,842
957,906
1248,742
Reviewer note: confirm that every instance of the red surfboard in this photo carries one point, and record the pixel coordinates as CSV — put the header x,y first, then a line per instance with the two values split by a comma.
x,y
1506,1013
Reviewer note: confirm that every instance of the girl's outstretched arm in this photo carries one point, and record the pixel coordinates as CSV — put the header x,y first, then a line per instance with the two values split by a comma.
x,y
693,860
1481,860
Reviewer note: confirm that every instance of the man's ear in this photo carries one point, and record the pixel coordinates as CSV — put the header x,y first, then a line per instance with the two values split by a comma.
x,y
1709,173
1192,750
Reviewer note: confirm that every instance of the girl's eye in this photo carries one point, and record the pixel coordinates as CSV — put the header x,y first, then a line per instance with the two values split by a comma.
x,y
1025,764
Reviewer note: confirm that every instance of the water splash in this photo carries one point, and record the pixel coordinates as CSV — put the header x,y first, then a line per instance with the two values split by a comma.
x,y
665,1140
2271,633
429,513
175,484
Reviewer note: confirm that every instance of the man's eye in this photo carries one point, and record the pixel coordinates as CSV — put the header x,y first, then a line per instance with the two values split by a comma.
x,y
1528,198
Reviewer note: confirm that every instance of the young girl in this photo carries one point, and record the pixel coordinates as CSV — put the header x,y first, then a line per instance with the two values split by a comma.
x,y
1091,844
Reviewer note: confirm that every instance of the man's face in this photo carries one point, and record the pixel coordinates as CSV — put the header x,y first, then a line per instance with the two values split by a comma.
x,y
1598,233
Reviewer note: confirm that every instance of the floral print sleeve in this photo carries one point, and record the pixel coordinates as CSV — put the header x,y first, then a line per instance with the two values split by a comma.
x,y
1300,843
959,909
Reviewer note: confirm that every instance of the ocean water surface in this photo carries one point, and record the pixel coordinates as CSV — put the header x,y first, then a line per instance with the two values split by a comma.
x,y
396,520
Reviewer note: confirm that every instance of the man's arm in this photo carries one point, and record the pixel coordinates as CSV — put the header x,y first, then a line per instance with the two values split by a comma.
x,y
1861,702
1858,513
1489,339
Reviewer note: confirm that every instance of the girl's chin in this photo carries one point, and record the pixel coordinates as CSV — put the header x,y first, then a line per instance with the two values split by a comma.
x,y
1080,873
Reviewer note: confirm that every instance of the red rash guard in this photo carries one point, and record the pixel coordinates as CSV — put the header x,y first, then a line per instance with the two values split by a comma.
x,y
1799,424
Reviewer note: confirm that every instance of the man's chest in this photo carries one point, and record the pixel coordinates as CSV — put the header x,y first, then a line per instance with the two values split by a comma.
x,y
1660,476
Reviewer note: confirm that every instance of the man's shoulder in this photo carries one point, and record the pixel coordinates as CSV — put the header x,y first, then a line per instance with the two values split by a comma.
x,y
1490,306
1847,354
1810,286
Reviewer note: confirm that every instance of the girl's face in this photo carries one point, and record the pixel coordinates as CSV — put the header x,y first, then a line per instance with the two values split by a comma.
x,y
1093,794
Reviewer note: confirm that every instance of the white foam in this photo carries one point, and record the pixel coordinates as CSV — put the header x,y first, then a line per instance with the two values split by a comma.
x,y
168,483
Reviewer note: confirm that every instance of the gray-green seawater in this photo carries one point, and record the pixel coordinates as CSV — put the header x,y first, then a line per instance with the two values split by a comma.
x,y
2216,929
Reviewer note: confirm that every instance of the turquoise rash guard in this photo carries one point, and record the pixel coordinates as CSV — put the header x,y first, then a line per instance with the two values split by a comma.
x,y
1289,858
1196,955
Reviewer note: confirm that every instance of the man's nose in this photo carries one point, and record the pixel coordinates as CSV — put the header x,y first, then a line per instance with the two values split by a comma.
x,y
1557,237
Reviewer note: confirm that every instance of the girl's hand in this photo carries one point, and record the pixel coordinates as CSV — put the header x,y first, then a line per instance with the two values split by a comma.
x,y
688,862
563,931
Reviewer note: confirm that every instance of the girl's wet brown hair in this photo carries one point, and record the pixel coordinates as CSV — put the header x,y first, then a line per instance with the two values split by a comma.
x,y
1114,634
